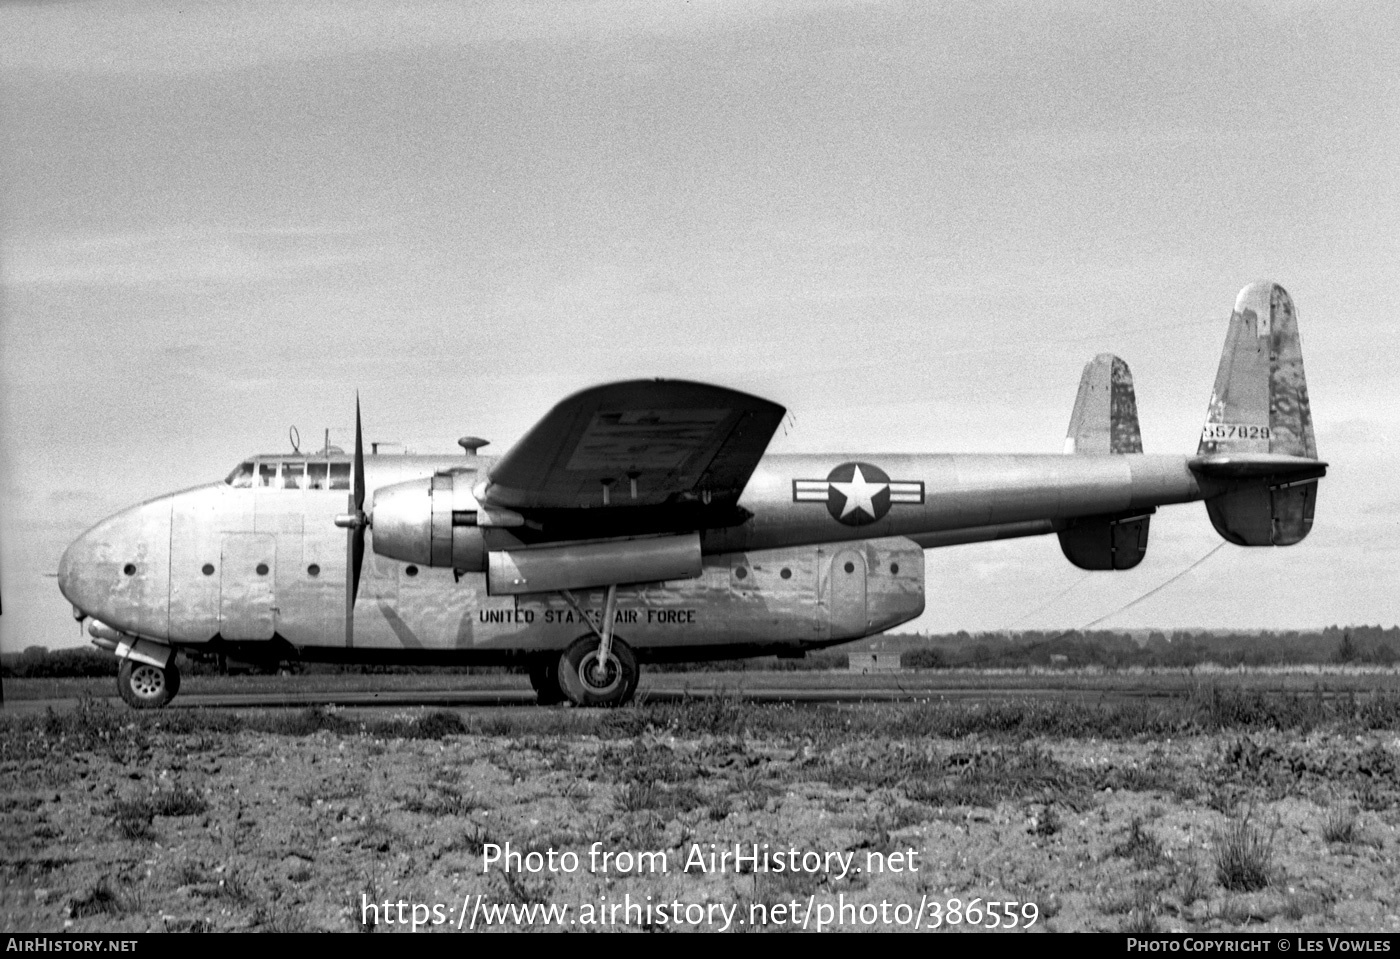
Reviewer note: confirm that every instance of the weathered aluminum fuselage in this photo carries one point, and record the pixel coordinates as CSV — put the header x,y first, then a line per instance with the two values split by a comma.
x,y
831,550
222,564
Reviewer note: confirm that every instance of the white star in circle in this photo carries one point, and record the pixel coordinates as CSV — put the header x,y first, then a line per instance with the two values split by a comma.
x,y
859,494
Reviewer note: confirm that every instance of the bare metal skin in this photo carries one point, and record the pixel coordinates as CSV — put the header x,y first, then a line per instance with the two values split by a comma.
x,y
604,500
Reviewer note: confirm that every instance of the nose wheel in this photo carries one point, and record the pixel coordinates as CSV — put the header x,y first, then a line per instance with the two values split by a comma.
x,y
143,686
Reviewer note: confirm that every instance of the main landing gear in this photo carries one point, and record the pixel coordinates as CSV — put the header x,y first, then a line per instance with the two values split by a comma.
x,y
596,670
589,677
144,686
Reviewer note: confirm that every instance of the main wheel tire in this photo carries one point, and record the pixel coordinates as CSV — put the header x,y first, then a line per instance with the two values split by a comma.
x,y
144,686
544,678
584,687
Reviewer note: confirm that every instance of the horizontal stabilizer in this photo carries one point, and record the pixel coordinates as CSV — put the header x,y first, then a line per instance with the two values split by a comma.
x,y
1105,411
1257,464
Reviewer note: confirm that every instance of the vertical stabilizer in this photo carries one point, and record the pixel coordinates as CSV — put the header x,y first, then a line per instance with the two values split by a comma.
x,y
1105,422
1260,401
1105,411
1258,435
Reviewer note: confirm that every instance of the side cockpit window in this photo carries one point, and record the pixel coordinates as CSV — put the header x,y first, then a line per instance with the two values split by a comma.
x,y
340,476
267,474
294,475
318,475
242,476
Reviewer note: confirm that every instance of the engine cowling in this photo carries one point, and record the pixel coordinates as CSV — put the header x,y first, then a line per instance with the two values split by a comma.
x,y
439,522
431,522
551,567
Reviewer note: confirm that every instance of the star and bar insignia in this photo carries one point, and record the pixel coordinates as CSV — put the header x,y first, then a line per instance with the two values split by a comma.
x,y
857,494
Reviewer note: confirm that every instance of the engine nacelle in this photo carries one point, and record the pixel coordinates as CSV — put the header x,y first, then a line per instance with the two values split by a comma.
x,y
431,522
439,522
541,569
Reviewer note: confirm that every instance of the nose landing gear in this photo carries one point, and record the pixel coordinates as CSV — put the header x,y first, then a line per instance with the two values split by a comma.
x,y
144,686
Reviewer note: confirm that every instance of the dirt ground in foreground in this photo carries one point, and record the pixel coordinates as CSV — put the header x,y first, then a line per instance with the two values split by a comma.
x,y
212,831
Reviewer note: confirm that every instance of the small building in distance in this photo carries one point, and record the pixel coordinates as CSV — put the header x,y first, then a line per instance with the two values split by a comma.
x,y
878,655
868,662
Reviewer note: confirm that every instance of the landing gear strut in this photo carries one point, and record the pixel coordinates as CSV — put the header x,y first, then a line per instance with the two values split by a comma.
x,y
144,686
598,670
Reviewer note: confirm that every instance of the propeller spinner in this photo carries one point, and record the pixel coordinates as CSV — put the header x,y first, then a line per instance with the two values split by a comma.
x,y
355,523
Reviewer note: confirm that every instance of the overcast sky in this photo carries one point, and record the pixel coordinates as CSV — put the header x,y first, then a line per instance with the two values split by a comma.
x,y
909,223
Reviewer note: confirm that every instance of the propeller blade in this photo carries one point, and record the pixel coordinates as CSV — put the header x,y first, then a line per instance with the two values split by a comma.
x,y
359,487
355,541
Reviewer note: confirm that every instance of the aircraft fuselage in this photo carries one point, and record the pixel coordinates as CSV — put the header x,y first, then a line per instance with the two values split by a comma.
x,y
245,565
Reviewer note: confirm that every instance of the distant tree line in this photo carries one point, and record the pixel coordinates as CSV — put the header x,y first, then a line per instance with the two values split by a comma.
x,y
36,662
1067,649
1073,648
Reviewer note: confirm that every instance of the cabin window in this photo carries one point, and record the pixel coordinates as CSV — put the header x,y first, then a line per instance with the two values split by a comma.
x,y
293,475
267,474
318,475
340,476
242,475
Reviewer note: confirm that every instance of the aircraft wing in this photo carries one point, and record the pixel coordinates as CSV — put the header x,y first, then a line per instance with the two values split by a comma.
x,y
639,443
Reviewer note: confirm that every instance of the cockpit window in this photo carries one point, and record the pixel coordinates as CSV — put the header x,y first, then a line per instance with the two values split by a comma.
x,y
293,475
242,476
290,474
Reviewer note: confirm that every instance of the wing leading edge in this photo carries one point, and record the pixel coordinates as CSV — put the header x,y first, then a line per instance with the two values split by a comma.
x,y
638,443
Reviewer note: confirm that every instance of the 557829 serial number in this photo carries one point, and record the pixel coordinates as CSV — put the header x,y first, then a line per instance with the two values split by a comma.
x,y
1234,431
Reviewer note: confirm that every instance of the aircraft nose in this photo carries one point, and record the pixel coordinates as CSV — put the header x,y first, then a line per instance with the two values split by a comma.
x,y
119,571
76,558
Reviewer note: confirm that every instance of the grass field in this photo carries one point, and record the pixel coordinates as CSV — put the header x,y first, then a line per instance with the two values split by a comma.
x,y
1224,808
1329,679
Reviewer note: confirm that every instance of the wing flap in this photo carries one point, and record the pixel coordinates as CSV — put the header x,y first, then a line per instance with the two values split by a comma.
x,y
634,444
